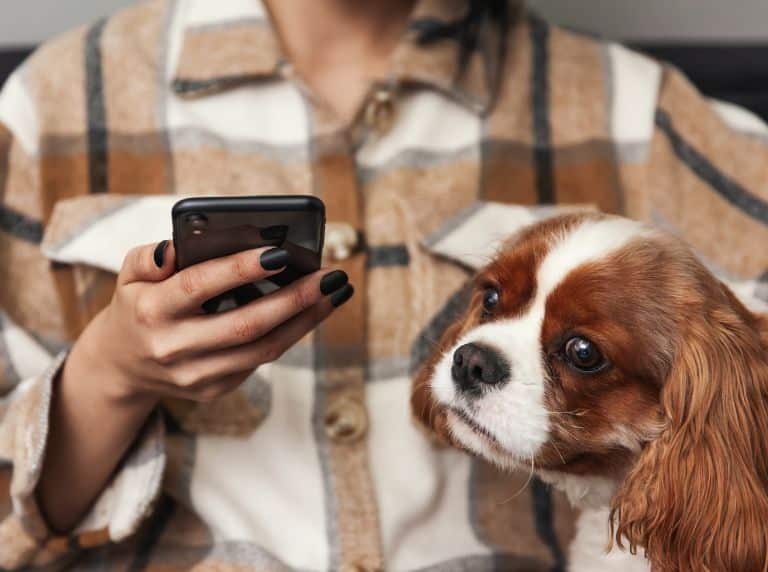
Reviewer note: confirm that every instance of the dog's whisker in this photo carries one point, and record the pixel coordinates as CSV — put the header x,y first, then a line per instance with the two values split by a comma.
x,y
568,432
575,412
525,484
558,452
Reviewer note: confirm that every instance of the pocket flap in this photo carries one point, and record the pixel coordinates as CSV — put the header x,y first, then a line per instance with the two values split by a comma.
x,y
99,230
473,236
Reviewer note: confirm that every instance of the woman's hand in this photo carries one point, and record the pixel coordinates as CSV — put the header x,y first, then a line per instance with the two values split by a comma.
x,y
154,341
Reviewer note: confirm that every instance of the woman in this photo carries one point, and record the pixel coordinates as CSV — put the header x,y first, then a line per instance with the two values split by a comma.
x,y
162,437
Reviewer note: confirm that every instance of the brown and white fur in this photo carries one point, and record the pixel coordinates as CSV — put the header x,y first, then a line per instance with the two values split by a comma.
x,y
669,436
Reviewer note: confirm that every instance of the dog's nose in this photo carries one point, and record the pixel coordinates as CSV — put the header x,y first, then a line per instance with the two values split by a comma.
x,y
478,365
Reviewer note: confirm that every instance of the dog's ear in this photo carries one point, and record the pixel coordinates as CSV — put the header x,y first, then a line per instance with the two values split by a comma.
x,y
697,499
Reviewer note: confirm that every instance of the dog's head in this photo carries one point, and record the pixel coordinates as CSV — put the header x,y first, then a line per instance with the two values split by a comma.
x,y
596,346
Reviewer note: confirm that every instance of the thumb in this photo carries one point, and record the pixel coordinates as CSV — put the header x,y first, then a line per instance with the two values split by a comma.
x,y
148,263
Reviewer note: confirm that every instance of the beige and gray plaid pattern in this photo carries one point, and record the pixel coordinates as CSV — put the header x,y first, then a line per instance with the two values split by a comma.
x,y
103,128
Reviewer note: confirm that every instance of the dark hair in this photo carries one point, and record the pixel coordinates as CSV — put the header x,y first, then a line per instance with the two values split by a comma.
x,y
467,31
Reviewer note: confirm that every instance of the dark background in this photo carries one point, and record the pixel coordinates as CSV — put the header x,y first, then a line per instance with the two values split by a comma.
x,y
737,73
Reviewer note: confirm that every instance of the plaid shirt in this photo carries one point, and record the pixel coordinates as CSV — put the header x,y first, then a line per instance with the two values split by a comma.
x,y
314,463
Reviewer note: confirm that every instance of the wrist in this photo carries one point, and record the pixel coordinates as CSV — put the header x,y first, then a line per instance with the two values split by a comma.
x,y
89,367
103,385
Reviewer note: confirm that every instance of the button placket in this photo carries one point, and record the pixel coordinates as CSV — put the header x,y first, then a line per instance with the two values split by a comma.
x,y
341,346
379,113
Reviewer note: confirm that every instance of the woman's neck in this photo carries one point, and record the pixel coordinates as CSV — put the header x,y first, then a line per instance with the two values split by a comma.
x,y
338,46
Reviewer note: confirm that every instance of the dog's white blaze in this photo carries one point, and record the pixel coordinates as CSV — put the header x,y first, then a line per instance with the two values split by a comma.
x,y
516,414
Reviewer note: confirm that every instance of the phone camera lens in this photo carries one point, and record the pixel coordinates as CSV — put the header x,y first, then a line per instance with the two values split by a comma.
x,y
197,222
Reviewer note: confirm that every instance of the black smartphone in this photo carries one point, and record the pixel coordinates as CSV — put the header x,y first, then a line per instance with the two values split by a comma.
x,y
210,227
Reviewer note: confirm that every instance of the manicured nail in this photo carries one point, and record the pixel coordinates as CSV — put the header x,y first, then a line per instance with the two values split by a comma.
x,y
159,254
333,281
210,306
342,295
274,258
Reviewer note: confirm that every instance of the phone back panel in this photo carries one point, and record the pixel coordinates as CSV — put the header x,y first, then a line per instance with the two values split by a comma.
x,y
211,227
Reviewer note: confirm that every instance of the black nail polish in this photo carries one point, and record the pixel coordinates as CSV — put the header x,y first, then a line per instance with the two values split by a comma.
x,y
159,255
333,281
274,258
342,295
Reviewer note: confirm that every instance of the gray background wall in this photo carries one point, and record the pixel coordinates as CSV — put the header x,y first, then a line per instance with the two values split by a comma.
x,y
28,22
691,20
31,21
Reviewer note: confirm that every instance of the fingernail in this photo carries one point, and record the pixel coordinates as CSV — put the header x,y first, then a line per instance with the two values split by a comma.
x,y
342,295
159,254
333,281
274,258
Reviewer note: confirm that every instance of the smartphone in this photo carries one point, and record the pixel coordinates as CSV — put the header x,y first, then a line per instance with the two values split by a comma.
x,y
211,227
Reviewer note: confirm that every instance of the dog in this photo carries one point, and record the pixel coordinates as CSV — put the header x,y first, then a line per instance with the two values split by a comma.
x,y
603,354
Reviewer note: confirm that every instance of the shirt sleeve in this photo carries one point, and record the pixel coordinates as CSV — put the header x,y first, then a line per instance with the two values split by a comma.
x,y
33,347
706,179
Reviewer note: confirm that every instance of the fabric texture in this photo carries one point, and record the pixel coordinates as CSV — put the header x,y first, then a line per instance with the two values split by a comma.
x,y
102,129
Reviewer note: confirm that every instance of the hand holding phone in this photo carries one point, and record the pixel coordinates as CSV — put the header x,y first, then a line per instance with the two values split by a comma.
x,y
153,341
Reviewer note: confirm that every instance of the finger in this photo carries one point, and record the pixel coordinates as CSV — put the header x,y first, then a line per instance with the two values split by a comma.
x,y
291,331
266,350
248,323
188,289
148,263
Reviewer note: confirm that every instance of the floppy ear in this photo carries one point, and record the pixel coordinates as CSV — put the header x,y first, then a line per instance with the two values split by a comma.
x,y
697,499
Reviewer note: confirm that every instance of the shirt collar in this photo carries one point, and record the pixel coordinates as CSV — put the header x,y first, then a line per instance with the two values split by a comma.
x,y
221,51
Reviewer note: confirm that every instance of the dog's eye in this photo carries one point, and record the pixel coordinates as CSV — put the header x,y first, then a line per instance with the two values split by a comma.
x,y
490,299
583,354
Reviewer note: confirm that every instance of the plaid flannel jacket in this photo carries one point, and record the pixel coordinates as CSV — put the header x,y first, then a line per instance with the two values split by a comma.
x,y
314,463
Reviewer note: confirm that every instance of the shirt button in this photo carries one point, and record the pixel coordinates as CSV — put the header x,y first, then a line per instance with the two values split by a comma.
x,y
380,111
345,421
286,69
341,239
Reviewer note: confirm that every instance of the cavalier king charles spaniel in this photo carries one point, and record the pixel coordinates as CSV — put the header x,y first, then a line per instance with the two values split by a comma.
x,y
602,353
